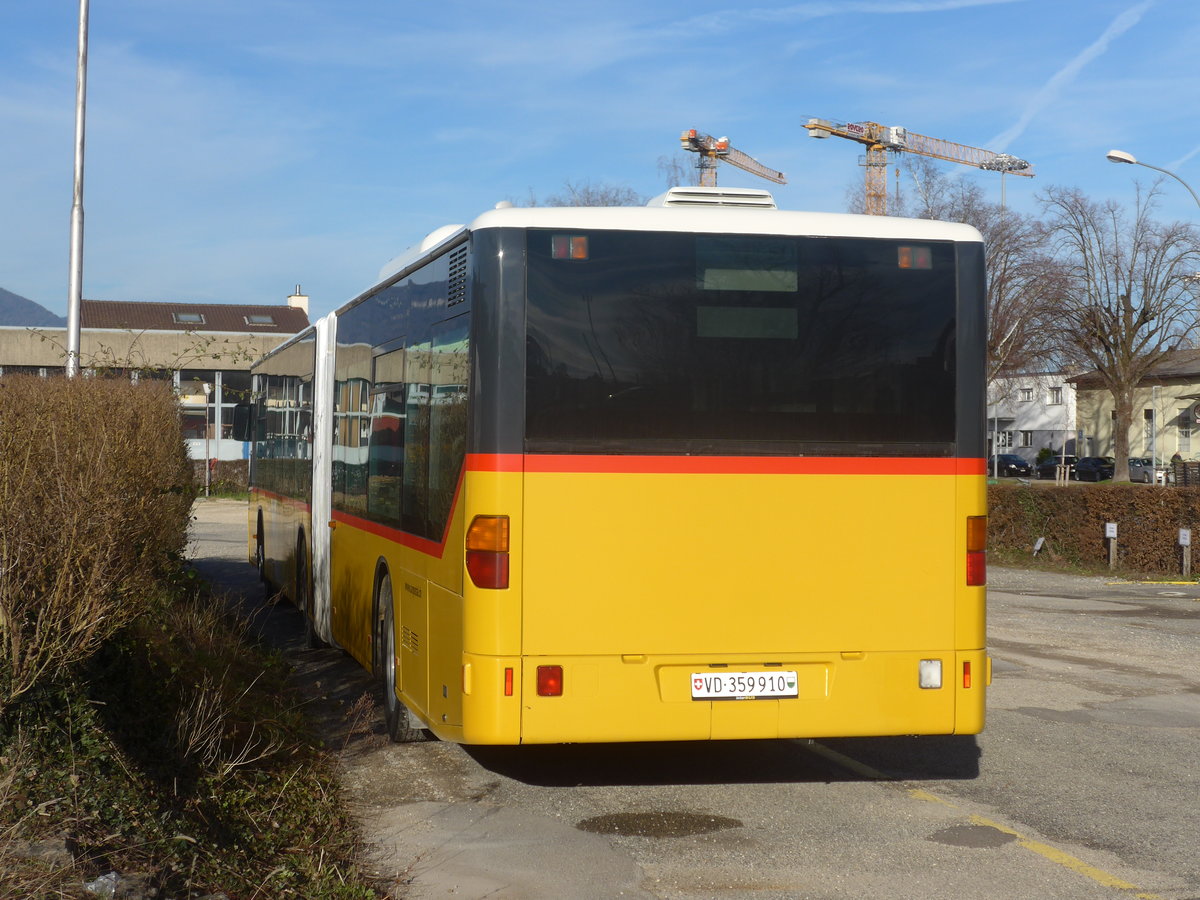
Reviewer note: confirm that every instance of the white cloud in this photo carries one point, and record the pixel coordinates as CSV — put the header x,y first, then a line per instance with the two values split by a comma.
x,y
1053,88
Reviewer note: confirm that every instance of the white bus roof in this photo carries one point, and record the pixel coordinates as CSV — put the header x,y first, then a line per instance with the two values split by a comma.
x,y
693,213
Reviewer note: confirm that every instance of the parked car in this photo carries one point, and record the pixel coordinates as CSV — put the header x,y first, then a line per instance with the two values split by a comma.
x,y
1095,468
1007,465
1142,469
1047,468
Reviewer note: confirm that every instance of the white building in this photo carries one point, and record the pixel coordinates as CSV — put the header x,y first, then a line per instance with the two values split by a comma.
x,y
1028,412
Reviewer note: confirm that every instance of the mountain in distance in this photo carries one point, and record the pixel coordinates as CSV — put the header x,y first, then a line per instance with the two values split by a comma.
x,y
16,310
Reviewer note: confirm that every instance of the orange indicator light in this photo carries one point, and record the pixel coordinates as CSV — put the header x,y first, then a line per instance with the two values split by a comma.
x,y
914,258
487,552
569,246
976,551
508,682
967,674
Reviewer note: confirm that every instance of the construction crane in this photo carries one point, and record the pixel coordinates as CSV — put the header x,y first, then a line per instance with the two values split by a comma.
x,y
879,139
712,149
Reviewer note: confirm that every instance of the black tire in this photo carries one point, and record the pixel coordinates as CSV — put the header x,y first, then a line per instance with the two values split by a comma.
x,y
401,727
304,595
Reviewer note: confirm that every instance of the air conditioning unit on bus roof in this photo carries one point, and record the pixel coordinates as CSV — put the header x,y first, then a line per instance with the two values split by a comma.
x,y
715,196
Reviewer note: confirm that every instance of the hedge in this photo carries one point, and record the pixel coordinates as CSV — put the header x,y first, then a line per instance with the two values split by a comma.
x,y
96,492
1071,519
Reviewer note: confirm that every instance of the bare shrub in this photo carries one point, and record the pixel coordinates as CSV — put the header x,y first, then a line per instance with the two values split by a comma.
x,y
96,491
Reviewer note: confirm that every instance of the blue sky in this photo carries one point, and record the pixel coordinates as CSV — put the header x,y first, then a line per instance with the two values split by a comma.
x,y
236,149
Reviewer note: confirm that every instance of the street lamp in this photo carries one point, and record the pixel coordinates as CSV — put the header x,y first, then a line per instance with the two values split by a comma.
x,y
1120,156
207,462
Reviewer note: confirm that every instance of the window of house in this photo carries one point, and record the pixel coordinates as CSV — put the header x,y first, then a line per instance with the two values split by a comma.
x,y
186,318
1185,430
260,320
1148,431
1055,396
1025,394
1026,438
1004,440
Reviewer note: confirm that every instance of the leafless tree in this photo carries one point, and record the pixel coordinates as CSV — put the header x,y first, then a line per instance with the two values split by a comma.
x,y
1020,294
675,170
585,193
1127,291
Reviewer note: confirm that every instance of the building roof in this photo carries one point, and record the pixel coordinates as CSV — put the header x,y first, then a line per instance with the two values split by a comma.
x,y
1183,365
198,317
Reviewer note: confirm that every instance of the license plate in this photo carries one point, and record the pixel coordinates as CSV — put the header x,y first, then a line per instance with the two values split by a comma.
x,y
743,685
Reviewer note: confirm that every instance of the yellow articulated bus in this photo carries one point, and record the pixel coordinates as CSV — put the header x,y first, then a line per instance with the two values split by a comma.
x,y
700,470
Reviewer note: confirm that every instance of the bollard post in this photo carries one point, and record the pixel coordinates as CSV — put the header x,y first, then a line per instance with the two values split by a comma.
x,y
1110,532
1185,543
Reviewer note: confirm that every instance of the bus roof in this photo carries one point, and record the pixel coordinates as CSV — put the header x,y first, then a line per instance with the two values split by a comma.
x,y
684,218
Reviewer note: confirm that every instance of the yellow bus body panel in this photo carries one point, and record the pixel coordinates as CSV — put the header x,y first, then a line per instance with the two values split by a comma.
x,y
634,583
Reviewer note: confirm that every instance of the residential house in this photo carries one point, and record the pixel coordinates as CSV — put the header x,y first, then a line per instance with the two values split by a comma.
x,y
1166,410
1028,412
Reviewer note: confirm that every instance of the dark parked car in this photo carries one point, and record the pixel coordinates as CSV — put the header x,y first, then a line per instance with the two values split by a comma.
x,y
1047,468
1095,468
1008,464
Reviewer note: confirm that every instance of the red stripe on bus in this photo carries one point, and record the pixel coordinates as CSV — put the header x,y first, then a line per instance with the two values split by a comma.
x,y
495,462
391,533
724,465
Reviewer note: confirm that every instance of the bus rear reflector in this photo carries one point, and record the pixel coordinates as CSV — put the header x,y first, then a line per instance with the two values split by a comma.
x,y
976,550
487,551
967,674
549,681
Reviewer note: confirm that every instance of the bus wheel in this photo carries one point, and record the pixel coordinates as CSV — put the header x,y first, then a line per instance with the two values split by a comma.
x,y
400,723
304,596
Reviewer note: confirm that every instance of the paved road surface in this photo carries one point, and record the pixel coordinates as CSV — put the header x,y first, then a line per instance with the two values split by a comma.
x,y
1084,784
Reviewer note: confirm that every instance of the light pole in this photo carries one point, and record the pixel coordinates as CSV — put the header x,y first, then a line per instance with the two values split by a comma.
x,y
1120,156
207,463
75,275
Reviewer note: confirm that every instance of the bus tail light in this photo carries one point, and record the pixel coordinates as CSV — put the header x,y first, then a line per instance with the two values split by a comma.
x,y
549,681
976,550
967,674
487,551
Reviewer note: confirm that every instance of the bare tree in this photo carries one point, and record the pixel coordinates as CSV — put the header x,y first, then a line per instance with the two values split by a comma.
x,y
585,193
1127,291
1019,293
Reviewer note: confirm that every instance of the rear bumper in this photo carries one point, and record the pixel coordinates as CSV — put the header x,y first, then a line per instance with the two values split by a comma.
x,y
647,698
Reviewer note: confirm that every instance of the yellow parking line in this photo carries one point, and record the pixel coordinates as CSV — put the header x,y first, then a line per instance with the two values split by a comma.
x,y
1053,854
1066,860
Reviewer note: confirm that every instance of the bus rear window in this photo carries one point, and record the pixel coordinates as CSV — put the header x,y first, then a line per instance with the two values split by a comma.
x,y
672,342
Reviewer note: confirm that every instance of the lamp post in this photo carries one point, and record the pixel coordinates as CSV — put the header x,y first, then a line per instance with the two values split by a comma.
x,y
1120,156
207,463
75,275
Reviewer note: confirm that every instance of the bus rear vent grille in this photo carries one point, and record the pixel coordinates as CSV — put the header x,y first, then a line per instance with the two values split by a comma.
x,y
457,289
712,196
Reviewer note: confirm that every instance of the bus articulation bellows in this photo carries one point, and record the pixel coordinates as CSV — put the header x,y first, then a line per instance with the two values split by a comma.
x,y
700,470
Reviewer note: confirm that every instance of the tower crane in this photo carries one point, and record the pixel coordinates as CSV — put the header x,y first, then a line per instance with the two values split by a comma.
x,y
712,149
879,139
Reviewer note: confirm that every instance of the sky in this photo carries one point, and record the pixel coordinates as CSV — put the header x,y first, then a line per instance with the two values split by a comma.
x,y
237,149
